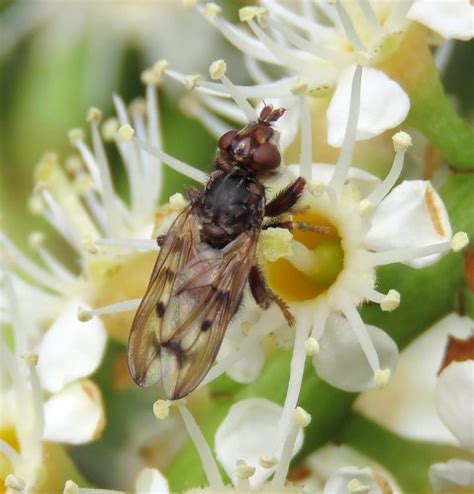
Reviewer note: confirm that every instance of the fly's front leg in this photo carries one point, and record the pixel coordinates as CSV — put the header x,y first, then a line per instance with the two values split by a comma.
x,y
264,296
286,198
296,225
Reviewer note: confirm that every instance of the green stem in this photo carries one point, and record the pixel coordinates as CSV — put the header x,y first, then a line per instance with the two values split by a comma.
x,y
434,115
413,67
407,460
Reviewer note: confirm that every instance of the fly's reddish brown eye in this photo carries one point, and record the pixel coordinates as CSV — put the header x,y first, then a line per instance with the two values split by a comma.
x,y
226,140
267,156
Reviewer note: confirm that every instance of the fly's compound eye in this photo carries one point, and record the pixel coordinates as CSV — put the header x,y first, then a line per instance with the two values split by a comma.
x,y
226,140
266,157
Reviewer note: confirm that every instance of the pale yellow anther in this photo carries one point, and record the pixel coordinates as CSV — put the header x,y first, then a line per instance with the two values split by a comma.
x,y
217,69
191,81
391,301
211,9
267,461
70,487
14,483
36,204
311,347
159,68
459,241
94,115
381,378
83,184
73,164
401,141
89,244
243,470
161,409
275,243
76,135
36,239
31,359
249,13
148,77
356,486
177,201
110,129
362,58
125,132
138,107
83,315
300,87
301,417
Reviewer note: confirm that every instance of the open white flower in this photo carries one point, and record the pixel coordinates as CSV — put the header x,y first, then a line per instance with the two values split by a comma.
x,y
26,419
316,48
455,404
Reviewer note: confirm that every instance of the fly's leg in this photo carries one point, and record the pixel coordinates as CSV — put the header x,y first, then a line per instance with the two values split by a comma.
x,y
160,240
264,296
193,194
286,198
296,225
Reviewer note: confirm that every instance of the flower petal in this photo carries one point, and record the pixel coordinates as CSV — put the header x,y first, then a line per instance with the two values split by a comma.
x,y
248,368
407,405
412,215
364,181
450,18
446,477
75,415
70,349
455,400
360,477
383,105
151,481
248,432
341,361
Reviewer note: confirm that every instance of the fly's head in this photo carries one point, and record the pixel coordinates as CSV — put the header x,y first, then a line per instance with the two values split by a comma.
x,y
254,147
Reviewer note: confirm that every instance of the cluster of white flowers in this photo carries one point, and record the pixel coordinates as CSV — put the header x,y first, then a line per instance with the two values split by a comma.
x,y
324,278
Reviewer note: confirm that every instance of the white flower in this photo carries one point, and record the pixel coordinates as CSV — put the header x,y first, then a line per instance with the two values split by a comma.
x,y
316,49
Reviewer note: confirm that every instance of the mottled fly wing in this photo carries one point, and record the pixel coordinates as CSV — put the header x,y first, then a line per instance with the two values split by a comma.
x,y
144,342
205,297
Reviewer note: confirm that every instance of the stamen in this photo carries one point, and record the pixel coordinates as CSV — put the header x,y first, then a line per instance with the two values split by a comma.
x,y
349,28
37,394
217,71
381,378
36,240
302,258
255,71
175,164
345,156
194,109
404,254
13,305
208,462
14,483
243,472
319,321
36,273
10,453
398,14
161,409
242,41
301,419
360,330
128,243
225,108
296,377
388,302
401,142
306,153
85,315
370,15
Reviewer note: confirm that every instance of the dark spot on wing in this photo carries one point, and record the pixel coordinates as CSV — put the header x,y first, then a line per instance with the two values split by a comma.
x,y
160,309
206,325
169,274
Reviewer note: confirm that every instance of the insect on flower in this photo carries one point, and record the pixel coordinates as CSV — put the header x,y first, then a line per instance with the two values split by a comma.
x,y
206,259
